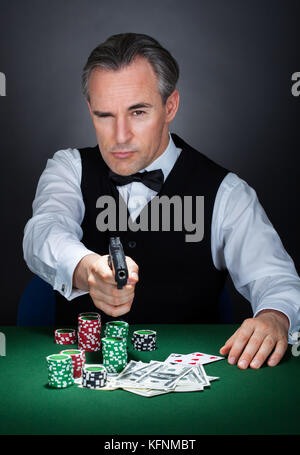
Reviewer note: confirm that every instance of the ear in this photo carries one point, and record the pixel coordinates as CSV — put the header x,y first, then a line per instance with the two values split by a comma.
x,y
172,105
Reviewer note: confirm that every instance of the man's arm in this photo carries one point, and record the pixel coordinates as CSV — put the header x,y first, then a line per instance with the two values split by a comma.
x,y
52,246
245,242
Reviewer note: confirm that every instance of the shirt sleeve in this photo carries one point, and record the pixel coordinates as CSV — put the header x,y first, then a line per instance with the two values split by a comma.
x,y
245,242
51,242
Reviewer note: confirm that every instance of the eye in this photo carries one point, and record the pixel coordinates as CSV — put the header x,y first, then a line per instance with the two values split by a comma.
x,y
139,113
103,116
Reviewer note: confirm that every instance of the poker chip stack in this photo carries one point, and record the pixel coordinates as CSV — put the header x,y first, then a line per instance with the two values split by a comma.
x,y
65,336
60,371
78,360
94,376
118,329
89,330
144,340
114,350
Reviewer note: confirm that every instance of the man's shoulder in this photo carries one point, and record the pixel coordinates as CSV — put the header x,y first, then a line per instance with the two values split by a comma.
x,y
77,155
68,158
195,157
68,153
74,152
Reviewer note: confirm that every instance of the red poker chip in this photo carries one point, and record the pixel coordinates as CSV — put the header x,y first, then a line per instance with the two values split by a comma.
x,y
78,361
89,330
65,336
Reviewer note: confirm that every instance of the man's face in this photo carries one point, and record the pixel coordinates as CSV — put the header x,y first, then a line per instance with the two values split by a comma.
x,y
130,120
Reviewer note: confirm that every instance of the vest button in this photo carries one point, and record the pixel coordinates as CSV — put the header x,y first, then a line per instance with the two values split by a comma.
x,y
132,244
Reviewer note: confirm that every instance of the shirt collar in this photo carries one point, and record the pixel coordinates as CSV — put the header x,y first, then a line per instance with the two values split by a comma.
x,y
166,160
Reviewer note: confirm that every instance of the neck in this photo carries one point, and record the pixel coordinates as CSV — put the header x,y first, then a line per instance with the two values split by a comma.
x,y
162,147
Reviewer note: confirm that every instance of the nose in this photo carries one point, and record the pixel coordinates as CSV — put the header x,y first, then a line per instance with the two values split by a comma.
x,y
123,130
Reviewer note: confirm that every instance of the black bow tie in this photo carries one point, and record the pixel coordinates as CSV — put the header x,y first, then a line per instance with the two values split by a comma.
x,y
152,179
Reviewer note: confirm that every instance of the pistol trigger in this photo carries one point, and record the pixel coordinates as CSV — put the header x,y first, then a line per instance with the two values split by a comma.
x,y
109,261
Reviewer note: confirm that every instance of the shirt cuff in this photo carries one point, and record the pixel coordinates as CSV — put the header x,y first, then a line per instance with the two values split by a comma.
x,y
63,283
289,314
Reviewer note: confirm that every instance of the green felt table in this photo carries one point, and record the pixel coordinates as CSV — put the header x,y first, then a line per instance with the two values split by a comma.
x,y
264,401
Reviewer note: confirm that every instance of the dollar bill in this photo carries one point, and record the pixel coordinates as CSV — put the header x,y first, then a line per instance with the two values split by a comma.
x,y
134,371
191,381
162,377
157,378
145,392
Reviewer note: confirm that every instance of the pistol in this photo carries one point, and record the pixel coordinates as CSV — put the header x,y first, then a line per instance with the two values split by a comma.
x,y
117,262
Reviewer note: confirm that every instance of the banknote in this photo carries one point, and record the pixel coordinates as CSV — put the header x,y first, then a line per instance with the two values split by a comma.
x,y
145,392
133,372
191,381
157,378
162,376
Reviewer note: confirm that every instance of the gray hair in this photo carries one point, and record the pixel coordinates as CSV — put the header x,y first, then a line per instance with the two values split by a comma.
x,y
118,51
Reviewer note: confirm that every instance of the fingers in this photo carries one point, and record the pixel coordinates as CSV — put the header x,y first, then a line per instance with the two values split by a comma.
x,y
102,277
113,305
103,287
227,346
133,271
235,345
265,349
101,271
109,293
254,342
110,290
278,353
257,350
114,311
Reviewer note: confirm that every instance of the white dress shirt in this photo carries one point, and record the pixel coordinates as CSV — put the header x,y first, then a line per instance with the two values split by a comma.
x,y
243,239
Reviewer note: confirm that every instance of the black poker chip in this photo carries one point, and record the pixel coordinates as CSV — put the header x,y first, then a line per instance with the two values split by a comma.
x,y
144,340
94,376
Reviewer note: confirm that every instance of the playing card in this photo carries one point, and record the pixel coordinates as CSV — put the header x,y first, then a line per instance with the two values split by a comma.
x,y
195,358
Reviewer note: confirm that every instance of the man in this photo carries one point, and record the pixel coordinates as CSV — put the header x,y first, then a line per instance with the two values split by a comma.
x,y
129,83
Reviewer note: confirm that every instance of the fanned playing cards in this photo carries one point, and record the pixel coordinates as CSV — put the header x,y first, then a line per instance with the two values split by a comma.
x,y
195,358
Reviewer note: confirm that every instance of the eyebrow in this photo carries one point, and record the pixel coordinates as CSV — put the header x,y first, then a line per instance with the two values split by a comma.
x,y
134,106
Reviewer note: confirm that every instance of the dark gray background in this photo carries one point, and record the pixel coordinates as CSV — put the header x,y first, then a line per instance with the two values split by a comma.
x,y
236,60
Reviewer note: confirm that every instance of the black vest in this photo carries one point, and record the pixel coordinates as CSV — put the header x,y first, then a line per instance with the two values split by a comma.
x,y
178,282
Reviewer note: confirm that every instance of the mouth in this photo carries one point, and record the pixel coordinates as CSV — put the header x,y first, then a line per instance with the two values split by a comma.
x,y
123,154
